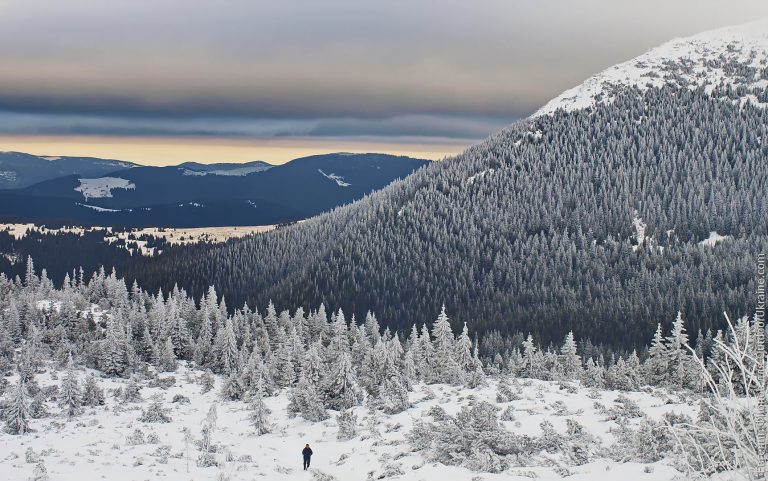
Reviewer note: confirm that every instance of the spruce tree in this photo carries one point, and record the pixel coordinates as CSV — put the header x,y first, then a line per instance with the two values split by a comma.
x,y
259,415
570,360
655,368
341,389
305,400
93,394
445,365
70,397
464,350
17,412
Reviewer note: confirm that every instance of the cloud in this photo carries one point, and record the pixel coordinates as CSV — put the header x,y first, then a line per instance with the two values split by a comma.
x,y
433,68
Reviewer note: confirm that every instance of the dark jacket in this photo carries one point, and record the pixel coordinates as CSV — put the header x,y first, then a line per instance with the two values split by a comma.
x,y
307,452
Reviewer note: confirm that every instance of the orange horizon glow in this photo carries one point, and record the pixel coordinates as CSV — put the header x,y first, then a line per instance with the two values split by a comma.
x,y
161,151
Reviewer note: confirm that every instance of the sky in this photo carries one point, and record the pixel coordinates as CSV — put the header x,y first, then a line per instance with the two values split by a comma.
x,y
168,81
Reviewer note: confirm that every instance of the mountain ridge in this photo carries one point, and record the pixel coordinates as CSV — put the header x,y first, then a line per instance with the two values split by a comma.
x,y
224,194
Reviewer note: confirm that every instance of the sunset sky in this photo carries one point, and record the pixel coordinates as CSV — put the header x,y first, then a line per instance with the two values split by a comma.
x,y
172,80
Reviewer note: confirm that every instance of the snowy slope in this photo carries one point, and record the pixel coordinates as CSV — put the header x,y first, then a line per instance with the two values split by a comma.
x,y
102,443
102,187
735,56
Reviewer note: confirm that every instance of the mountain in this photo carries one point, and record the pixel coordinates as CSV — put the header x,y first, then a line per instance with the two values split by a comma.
x,y
639,194
220,194
728,63
18,170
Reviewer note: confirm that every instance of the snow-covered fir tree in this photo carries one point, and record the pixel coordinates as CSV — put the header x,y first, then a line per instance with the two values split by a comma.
x,y
70,397
17,411
259,415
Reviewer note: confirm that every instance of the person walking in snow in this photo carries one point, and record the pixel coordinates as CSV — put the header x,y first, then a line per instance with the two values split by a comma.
x,y
307,453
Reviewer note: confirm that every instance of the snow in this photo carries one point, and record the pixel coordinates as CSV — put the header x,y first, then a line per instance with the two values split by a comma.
x,y
336,178
639,226
97,208
236,172
102,187
174,236
192,172
93,312
480,175
19,231
95,442
46,305
713,239
8,175
51,157
696,61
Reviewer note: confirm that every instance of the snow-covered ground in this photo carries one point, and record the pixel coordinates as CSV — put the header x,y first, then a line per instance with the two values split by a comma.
x,y
713,239
176,236
99,209
97,445
734,56
102,187
336,178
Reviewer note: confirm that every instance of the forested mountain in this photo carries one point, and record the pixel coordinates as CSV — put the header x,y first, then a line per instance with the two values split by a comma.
x,y
193,194
647,195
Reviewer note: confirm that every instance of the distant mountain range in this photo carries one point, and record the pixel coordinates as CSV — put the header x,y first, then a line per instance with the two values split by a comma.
x,y
116,193
19,170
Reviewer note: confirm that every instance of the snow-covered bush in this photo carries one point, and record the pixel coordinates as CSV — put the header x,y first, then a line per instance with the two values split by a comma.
x,y
135,438
391,470
508,414
504,392
579,446
318,475
206,460
650,442
625,408
438,413
40,473
162,453
550,440
130,392
155,413
473,438
30,456
180,399
162,382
